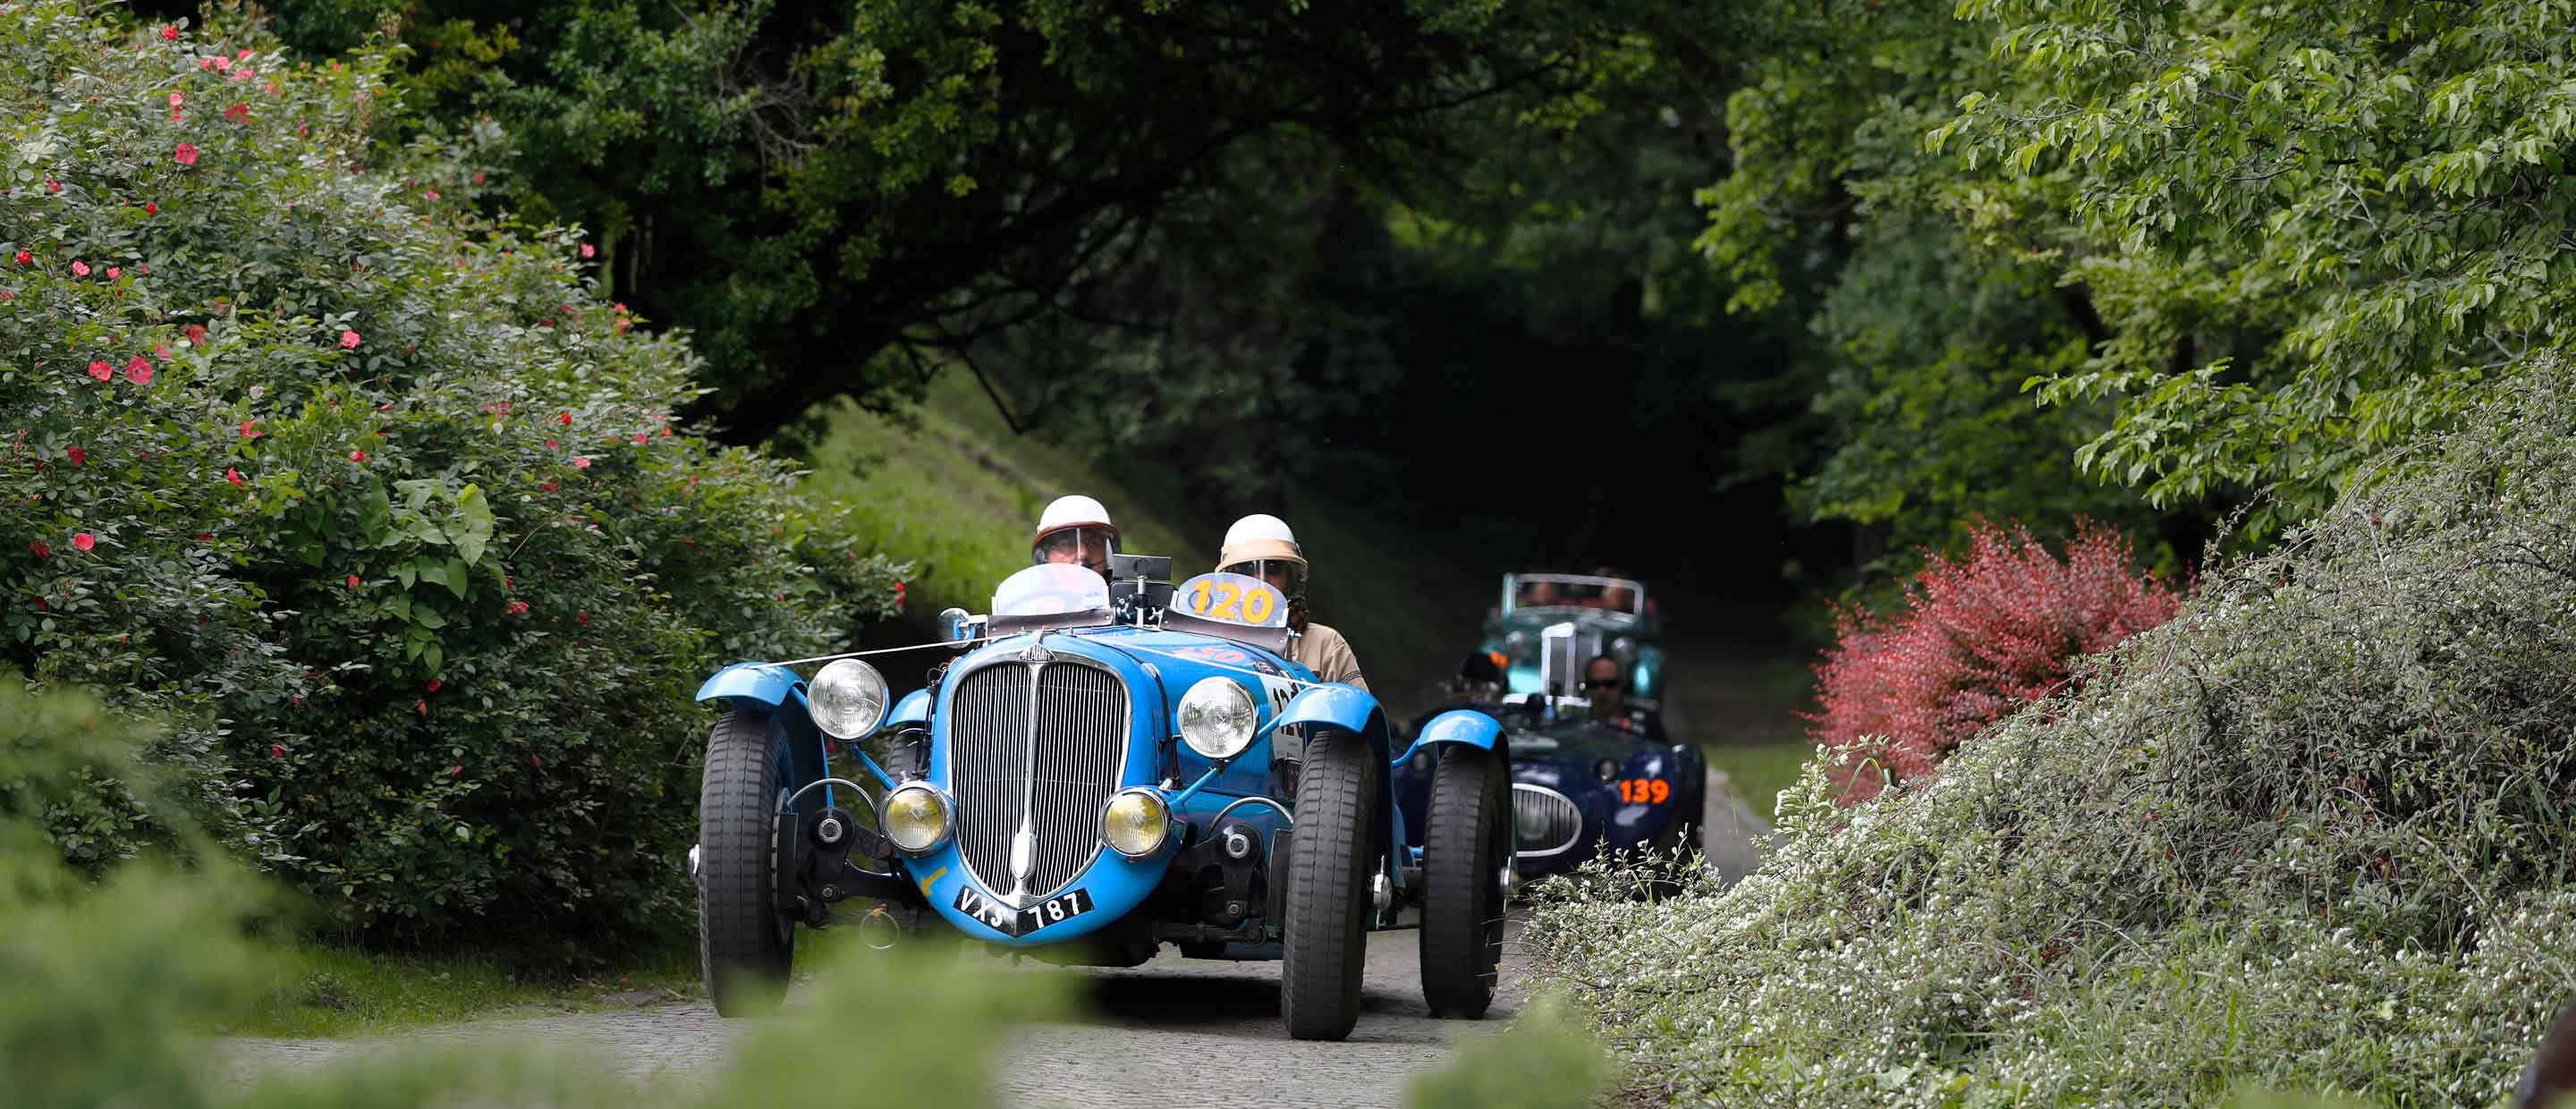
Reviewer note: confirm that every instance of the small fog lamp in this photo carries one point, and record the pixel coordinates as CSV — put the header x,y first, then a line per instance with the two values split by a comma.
x,y
917,817
1135,823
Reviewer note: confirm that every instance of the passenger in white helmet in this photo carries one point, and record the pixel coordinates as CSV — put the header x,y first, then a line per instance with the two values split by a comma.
x,y
1261,546
1075,530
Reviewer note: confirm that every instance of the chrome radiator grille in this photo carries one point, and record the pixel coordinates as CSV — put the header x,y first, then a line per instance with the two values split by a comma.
x,y
1028,799
1544,822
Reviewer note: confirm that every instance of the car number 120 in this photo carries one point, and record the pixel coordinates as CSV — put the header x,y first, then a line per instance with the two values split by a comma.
x,y
1233,601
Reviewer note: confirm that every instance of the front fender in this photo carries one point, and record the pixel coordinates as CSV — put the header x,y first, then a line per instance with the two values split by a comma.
x,y
913,709
1337,706
1467,726
761,682
1348,709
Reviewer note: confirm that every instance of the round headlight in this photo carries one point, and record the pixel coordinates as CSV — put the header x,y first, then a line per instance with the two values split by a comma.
x,y
848,698
916,816
1517,644
1135,823
1218,718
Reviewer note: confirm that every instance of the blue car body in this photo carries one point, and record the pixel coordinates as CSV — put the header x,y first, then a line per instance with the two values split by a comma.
x,y
1107,723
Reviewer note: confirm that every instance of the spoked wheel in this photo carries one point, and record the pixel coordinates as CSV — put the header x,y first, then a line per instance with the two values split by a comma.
x,y
1466,853
1328,888
746,938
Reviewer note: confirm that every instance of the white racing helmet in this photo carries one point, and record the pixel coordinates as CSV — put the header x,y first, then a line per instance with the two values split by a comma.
x,y
1261,546
1075,529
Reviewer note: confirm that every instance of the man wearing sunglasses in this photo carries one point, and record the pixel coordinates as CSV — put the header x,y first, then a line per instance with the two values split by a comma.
x,y
1605,684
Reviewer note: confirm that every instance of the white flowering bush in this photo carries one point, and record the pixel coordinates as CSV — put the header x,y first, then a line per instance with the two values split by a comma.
x,y
2314,835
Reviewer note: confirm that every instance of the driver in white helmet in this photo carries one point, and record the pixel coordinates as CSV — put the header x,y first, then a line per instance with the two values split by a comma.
x,y
1075,530
1261,546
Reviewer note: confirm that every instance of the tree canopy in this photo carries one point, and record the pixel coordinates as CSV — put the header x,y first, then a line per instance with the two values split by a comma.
x,y
837,197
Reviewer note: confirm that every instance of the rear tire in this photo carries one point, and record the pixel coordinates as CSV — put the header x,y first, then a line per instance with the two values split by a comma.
x,y
1328,888
746,941
1464,851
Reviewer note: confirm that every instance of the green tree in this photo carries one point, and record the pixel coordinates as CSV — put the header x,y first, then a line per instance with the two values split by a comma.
x,y
1922,327
2376,192
829,195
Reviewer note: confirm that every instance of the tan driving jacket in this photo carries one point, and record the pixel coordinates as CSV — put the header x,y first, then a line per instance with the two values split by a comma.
x,y
1325,652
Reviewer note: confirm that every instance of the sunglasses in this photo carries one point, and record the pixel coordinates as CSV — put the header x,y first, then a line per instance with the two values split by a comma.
x,y
1602,683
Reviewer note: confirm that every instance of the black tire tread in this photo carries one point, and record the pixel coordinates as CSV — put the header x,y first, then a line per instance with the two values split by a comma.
x,y
741,954
1462,910
1328,900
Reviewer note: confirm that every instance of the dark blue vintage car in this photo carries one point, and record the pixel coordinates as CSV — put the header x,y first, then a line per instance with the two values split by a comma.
x,y
1091,778
1583,787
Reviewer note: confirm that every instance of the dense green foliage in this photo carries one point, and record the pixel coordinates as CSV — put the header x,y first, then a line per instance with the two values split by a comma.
x,y
2227,247
2373,196
2312,834
381,503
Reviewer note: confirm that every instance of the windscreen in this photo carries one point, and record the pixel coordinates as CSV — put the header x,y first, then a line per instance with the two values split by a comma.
x,y
1051,589
1568,591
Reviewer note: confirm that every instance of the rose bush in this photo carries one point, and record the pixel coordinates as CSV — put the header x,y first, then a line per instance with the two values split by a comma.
x,y
375,499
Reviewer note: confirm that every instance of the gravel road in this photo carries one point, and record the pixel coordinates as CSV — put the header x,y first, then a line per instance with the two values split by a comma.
x,y
1184,1031
1187,1031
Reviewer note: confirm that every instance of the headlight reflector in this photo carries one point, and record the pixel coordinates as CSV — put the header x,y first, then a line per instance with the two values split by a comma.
x,y
1217,718
848,698
1135,822
916,816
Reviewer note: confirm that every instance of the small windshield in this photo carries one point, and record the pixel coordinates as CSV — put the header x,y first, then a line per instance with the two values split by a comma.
x,y
1051,589
1086,545
1560,591
1288,576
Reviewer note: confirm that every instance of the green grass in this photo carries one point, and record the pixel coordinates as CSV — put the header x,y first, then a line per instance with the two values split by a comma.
x,y
340,991
1759,771
1744,714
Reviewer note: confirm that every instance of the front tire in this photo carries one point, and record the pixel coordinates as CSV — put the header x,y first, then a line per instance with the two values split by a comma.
x,y
1464,851
1328,888
746,941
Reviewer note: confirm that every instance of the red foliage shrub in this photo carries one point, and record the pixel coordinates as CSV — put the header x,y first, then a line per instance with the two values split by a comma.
x,y
1975,639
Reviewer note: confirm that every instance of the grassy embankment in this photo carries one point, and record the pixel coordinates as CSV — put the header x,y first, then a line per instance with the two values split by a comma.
x,y
2312,835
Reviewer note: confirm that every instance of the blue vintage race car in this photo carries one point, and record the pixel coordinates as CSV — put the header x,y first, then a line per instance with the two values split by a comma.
x,y
1583,787
1091,778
